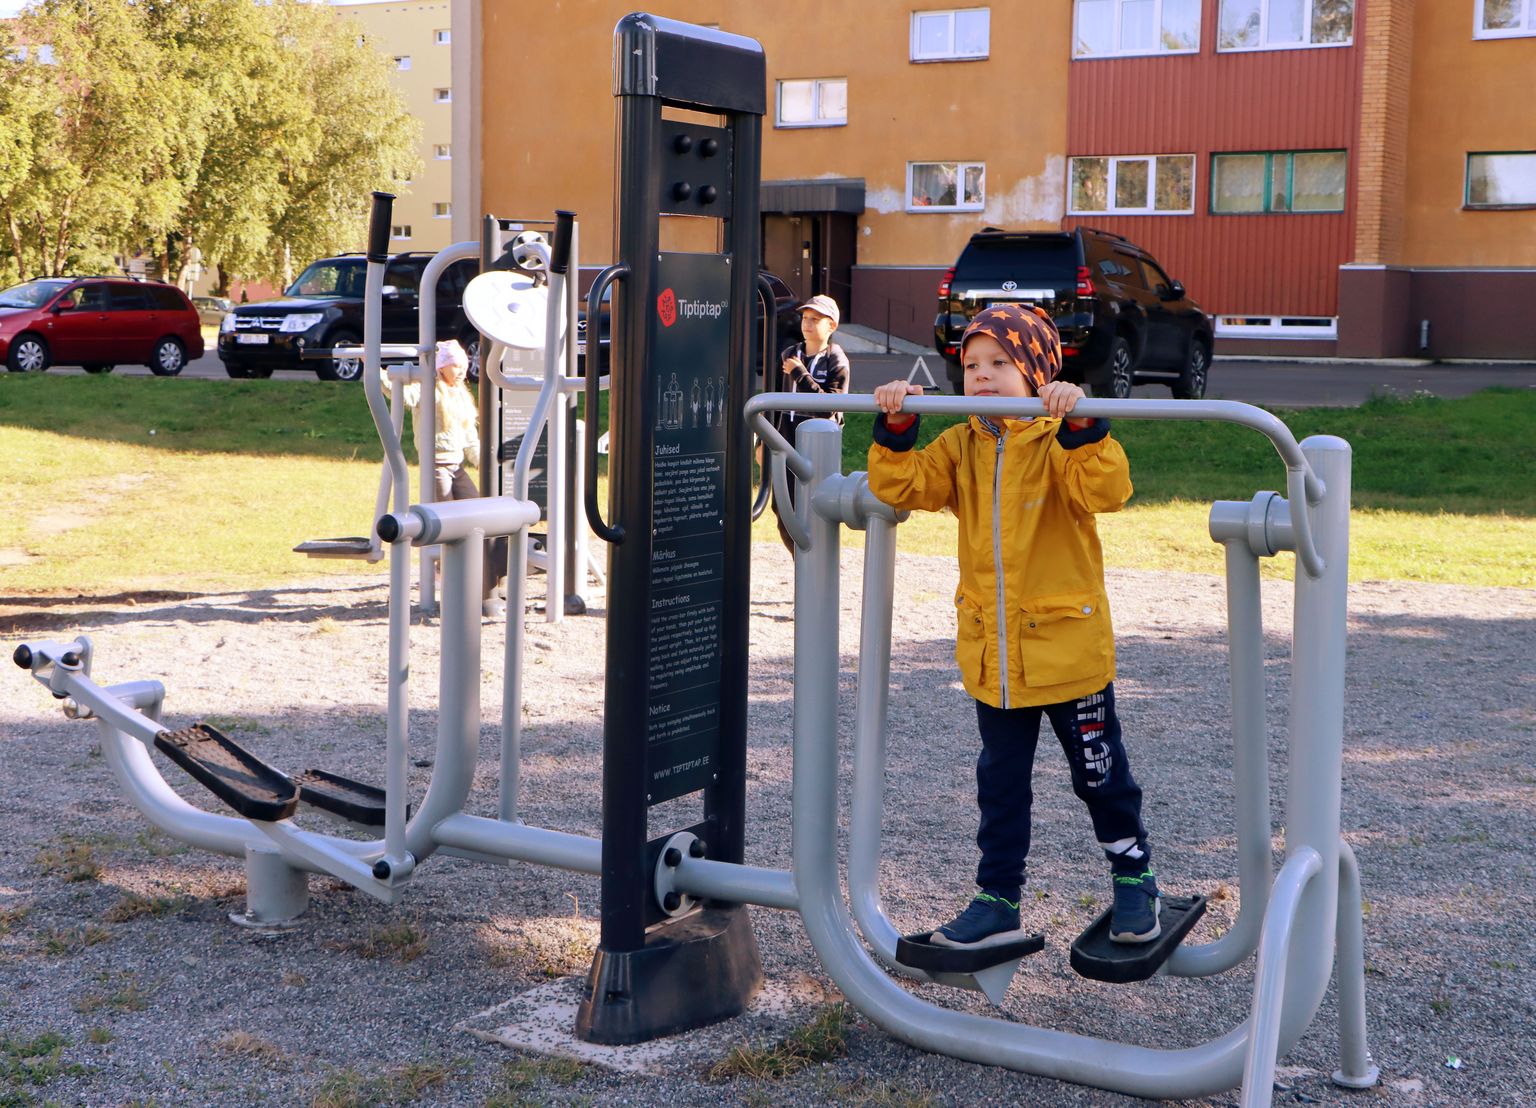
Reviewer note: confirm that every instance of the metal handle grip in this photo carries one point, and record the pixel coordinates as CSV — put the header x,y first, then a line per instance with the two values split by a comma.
x,y
378,226
614,534
560,250
771,381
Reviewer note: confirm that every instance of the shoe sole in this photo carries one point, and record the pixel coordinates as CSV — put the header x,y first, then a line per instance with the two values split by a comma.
x,y
938,938
1157,929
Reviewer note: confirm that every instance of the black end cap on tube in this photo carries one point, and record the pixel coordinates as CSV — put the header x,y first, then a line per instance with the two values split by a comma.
x,y
560,249
378,226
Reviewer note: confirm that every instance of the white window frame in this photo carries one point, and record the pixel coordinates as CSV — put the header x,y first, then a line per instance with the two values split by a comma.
x,y
442,209
442,152
1526,29
1276,327
1265,44
400,231
442,37
959,205
1466,193
403,63
442,96
1109,195
816,120
914,54
1157,22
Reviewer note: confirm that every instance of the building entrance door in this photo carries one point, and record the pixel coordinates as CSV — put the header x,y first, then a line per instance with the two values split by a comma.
x,y
813,252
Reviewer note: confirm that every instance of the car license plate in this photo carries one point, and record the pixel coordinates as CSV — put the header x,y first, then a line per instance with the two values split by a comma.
x,y
254,340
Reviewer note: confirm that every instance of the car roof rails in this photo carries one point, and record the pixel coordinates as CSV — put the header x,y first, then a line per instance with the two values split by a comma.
x,y
1106,234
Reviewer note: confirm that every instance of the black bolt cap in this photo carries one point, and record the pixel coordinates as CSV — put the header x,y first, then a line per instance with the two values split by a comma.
x,y
696,848
682,190
381,869
71,658
709,148
671,902
388,528
23,656
682,143
673,857
707,194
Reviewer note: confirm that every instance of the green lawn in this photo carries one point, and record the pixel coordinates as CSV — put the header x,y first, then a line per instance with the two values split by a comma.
x,y
131,483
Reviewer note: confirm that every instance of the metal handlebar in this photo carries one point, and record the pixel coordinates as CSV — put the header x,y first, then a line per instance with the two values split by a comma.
x,y
1303,486
771,381
614,534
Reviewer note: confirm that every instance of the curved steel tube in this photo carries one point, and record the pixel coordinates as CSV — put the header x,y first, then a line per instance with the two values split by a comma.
x,y
1269,978
614,534
1303,484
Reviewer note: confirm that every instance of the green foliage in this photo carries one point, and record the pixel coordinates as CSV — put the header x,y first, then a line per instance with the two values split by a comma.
x,y
255,131
821,1040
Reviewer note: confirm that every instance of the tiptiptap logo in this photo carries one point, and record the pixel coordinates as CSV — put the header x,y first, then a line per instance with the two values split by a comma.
x,y
666,307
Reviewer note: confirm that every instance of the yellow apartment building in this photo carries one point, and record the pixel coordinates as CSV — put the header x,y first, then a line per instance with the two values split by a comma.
x,y
418,35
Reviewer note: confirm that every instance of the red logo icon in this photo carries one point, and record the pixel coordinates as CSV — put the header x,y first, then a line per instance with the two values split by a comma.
x,y
666,307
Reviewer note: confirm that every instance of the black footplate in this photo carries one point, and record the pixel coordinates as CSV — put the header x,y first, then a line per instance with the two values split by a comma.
x,y
231,773
354,547
919,953
1096,955
341,796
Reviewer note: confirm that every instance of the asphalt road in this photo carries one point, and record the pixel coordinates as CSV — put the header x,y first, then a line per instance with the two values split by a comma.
x,y
1270,383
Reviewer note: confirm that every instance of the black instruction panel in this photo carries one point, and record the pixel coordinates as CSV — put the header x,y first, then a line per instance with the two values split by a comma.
x,y
689,370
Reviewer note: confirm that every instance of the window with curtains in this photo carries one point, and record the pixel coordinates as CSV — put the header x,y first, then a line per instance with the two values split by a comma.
x,y
1501,180
819,102
960,34
946,186
1284,181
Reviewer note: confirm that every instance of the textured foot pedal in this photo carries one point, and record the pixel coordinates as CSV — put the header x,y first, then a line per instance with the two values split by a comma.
x,y
341,796
230,772
1097,956
919,952
356,547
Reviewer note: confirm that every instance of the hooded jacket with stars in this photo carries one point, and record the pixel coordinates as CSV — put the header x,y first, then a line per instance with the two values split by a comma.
x,y
1033,618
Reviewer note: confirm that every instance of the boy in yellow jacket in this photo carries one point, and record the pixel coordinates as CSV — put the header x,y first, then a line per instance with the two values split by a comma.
x,y
1034,630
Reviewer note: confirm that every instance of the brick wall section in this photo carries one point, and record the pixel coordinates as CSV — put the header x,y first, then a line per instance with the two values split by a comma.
x,y
1381,170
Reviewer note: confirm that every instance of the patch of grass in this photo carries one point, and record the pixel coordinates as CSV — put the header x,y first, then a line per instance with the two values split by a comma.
x,y
135,906
71,859
518,1076
349,1089
35,1061
126,996
881,1095
821,1040
100,1036
1086,902
12,915
1441,1006
404,942
60,941
246,1045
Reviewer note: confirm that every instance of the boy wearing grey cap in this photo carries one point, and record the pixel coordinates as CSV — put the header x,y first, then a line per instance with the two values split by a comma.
x,y
816,364
1034,638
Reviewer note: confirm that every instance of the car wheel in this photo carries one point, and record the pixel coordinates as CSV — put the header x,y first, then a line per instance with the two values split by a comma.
x,y
97,368
470,341
169,358
1191,382
345,369
1121,371
29,354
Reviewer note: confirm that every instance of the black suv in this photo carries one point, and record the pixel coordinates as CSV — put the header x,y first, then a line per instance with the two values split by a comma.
x,y
1123,321
324,308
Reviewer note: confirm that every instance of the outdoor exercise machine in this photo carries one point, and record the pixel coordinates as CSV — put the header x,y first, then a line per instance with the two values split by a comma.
x,y
676,948
507,251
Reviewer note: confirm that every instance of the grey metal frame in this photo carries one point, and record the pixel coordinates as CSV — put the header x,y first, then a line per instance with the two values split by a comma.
x,y
1294,923
1295,927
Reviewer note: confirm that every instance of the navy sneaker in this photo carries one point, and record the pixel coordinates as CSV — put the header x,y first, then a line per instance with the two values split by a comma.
x,y
987,921
1133,919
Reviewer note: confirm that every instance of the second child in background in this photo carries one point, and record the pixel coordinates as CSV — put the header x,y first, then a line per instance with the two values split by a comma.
x,y
815,364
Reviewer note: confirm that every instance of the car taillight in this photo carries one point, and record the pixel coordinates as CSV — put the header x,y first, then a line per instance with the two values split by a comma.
x,y
1084,281
944,285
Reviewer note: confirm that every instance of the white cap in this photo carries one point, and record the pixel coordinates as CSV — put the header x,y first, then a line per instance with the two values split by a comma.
x,y
449,352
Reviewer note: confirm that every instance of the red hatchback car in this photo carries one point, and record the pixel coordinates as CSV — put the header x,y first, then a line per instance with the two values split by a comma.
x,y
97,323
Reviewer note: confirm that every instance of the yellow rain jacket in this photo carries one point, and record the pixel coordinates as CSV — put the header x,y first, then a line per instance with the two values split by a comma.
x,y
1034,625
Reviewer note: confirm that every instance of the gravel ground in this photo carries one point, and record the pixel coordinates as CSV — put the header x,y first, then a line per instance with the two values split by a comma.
x,y
115,943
